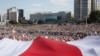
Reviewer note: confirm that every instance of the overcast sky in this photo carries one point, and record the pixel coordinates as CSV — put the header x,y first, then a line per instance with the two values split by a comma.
x,y
33,6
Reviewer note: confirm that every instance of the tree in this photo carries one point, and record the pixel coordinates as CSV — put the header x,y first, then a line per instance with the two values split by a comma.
x,y
98,20
40,22
22,21
59,23
78,22
29,22
13,22
94,17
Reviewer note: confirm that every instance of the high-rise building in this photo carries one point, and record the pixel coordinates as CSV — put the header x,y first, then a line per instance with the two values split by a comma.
x,y
82,8
93,5
12,14
98,5
4,18
21,13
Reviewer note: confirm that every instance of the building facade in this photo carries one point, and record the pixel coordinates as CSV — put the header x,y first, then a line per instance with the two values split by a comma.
x,y
51,16
98,5
82,8
37,17
12,14
65,16
21,13
1,21
4,18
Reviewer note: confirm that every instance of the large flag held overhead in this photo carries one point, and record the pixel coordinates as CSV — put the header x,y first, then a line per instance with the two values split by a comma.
x,y
41,46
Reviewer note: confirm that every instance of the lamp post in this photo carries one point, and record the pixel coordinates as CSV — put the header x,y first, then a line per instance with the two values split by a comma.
x,y
6,21
86,21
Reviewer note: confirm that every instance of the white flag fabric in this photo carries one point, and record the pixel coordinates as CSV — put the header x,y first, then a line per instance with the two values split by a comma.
x,y
9,47
89,46
41,46
98,0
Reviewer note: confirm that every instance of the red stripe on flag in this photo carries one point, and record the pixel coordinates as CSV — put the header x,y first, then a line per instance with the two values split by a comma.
x,y
46,47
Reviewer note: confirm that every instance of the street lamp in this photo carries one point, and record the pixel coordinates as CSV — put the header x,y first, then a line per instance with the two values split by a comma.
x,y
86,21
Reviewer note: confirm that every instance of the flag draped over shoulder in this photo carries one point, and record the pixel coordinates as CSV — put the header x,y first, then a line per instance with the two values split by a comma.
x,y
41,46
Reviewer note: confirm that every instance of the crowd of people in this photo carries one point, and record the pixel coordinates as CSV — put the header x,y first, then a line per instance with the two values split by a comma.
x,y
66,32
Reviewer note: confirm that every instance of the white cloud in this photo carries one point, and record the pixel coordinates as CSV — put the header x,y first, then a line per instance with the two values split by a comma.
x,y
59,2
36,5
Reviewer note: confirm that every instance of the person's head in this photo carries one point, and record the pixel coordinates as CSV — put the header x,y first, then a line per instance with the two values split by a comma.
x,y
12,27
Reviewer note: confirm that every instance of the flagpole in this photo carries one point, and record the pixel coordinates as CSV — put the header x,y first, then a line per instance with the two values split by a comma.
x,y
86,22
0,20
5,24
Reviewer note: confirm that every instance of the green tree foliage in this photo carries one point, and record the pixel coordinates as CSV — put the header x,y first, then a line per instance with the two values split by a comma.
x,y
59,23
22,21
94,17
40,22
79,21
29,22
13,22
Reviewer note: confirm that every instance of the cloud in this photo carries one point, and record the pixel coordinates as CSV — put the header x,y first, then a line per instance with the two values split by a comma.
x,y
59,2
36,5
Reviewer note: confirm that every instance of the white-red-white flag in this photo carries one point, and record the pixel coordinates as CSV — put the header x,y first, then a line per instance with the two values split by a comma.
x,y
41,46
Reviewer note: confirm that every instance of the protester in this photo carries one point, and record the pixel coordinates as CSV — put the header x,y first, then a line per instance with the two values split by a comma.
x,y
68,32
